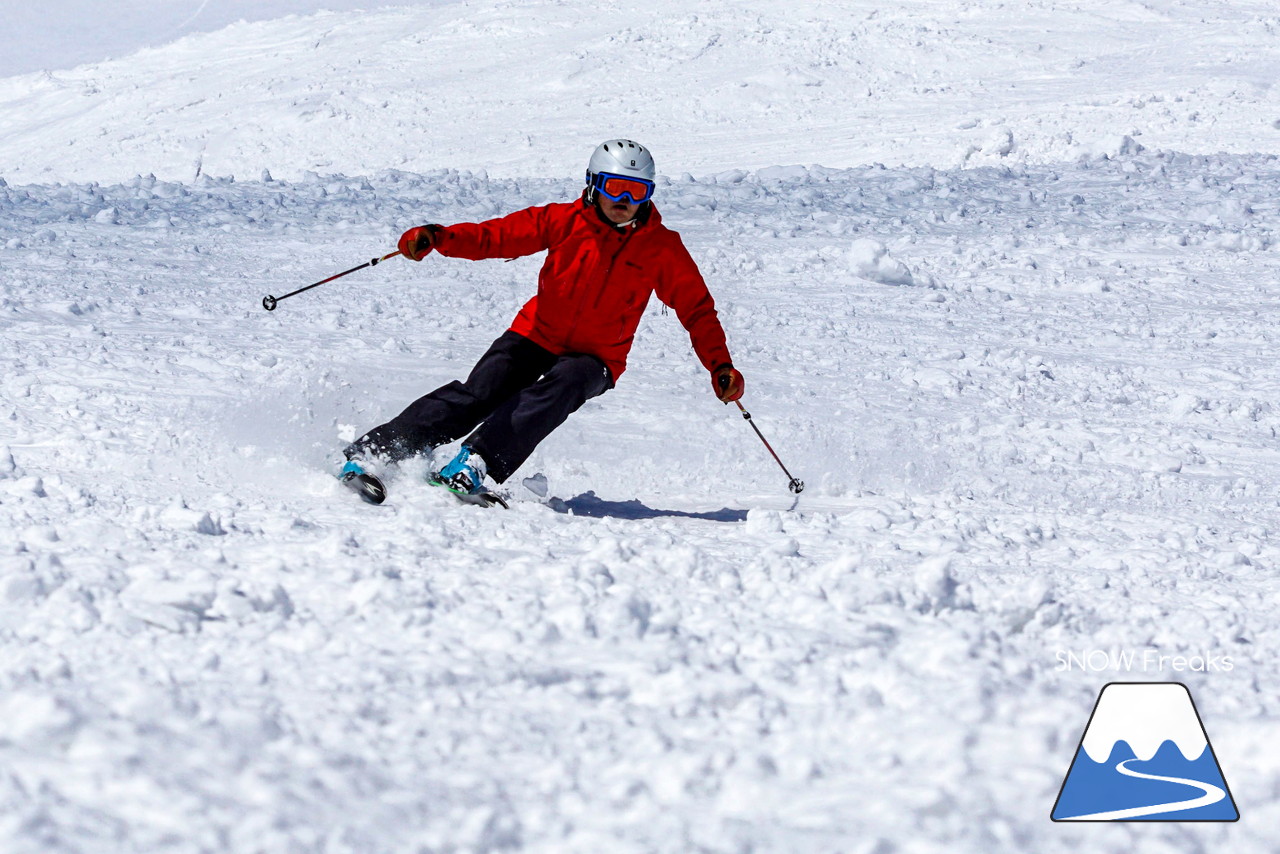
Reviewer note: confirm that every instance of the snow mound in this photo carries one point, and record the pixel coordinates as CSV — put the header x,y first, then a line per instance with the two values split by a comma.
x,y
870,259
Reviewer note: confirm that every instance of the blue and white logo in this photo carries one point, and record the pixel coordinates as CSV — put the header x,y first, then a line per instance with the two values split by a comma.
x,y
1145,756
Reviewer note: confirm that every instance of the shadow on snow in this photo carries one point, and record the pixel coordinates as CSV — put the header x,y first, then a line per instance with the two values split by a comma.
x,y
590,504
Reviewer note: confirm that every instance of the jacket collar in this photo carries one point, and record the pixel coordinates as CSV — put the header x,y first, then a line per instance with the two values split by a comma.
x,y
646,217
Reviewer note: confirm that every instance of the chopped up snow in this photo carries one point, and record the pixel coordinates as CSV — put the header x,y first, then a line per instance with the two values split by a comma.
x,y
669,651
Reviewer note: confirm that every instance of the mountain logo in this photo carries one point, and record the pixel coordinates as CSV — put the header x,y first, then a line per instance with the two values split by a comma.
x,y
1145,756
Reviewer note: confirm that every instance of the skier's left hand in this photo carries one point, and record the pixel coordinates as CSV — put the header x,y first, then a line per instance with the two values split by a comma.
x,y
727,382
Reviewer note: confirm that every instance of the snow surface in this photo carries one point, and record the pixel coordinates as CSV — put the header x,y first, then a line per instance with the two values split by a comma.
x,y
1058,432
515,87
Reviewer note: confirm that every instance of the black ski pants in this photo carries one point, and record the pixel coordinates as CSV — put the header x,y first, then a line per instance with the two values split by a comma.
x,y
517,393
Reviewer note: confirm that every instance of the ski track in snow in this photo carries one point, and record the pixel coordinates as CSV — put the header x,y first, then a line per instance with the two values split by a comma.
x,y
1060,435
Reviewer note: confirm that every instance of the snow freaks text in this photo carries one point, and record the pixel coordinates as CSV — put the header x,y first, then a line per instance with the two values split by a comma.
x,y
1146,660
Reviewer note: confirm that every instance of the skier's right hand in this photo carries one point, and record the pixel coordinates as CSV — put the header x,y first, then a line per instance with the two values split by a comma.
x,y
418,241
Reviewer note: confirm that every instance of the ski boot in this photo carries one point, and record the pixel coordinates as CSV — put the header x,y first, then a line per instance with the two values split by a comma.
x,y
464,477
464,474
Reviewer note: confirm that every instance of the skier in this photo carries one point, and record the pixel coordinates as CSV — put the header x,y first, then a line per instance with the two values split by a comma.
x,y
607,252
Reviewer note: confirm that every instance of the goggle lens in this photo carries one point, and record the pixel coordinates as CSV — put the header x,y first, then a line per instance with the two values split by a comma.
x,y
617,187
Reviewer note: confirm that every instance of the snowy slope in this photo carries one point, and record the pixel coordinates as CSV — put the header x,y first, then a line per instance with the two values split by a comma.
x,y
1033,397
514,88
59,34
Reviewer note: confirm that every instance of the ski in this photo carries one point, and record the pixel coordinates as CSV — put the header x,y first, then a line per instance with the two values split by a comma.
x,y
367,486
371,488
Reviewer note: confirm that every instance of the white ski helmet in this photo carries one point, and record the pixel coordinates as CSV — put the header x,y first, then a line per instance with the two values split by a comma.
x,y
619,157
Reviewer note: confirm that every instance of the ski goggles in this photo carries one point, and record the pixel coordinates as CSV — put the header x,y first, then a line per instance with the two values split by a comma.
x,y
615,188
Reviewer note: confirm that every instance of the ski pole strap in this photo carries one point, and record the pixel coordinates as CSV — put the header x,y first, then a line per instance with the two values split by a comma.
x,y
269,302
795,485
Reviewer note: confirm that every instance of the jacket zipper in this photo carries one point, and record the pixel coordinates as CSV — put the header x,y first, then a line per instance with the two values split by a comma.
x,y
609,270
603,284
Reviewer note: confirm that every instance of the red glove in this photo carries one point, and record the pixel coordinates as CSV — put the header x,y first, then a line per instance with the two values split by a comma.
x,y
727,383
418,241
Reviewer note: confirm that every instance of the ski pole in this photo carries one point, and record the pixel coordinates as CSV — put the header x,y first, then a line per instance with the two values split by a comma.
x,y
796,486
269,302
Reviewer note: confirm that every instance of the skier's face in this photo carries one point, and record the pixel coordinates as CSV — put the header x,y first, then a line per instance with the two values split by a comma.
x,y
617,212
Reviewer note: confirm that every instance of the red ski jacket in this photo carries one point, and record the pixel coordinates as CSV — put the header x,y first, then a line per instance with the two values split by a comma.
x,y
596,280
